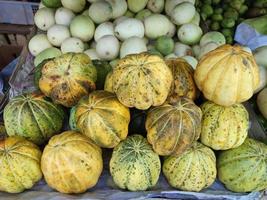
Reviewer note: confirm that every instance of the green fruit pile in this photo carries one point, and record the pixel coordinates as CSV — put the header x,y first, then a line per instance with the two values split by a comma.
x,y
223,15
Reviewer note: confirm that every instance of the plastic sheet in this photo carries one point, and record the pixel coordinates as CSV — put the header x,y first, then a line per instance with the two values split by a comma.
x,y
22,81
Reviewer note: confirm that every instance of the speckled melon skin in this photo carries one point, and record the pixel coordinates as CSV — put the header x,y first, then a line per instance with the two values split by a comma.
x,y
172,128
71,163
20,164
67,78
134,165
101,117
183,84
33,117
142,80
224,127
193,170
244,169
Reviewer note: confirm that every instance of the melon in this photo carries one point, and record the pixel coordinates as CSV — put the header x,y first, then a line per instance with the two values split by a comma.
x,y
132,45
189,34
52,3
108,47
183,13
119,7
156,25
104,29
136,5
44,18
38,43
156,6
20,164
100,11
212,36
92,54
33,117
129,28
51,52
134,165
72,44
76,6
82,27
56,34
64,16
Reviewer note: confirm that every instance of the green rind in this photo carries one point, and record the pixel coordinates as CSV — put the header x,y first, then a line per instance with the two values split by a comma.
x,y
244,169
102,68
33,117
134,165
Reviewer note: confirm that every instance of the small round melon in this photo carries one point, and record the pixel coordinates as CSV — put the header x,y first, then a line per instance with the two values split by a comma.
x,y
132,45
164,45
136,5
183,13
156,25
52,3
196,19
196,50
103,29
44,18
189,33
213,36
64,16
170,5
156,6
119,20
141,15
82,27
108,47
181,49
74,45
51,52
170,56
56,34
119,7
207,48
263,79
100,11
172,30
74,5
129,28
92,54
38,43
191,60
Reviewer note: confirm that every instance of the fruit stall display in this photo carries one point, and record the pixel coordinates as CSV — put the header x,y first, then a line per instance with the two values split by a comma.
x,y
158,84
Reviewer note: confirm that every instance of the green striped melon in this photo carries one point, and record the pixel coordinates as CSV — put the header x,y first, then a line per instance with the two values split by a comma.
x,y
193,170
244,169
134,165
33,117
224,127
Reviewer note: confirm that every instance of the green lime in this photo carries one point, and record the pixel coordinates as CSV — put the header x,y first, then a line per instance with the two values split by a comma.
x,y
228,23
207,9
217,17
165,45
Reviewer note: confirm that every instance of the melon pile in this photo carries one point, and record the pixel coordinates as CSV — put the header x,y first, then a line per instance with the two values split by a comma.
x,y
141,106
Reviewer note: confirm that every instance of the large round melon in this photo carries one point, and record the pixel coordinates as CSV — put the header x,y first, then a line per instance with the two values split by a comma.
x,y
67,78
33,117
227,75
142,80
244,169
20,164
71,163
172,128
183,84
224,127
193,170
134,165
103,118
